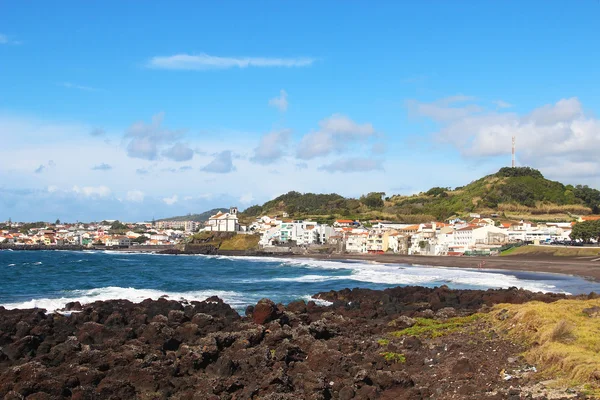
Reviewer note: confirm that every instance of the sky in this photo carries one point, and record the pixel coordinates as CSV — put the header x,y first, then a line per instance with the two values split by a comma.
x,y
139,110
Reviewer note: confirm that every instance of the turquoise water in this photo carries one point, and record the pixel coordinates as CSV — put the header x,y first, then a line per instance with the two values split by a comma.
x,y
50,279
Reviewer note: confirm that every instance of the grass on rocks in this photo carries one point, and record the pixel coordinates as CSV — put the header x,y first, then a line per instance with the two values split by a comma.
x,y
564,339
432,328
393,357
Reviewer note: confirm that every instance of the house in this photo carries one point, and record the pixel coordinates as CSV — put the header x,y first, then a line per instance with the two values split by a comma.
x,y
118,240
397,242
224,222
378,241
344,223
471,236
356,242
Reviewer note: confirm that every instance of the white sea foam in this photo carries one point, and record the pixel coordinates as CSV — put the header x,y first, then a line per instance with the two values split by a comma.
x,y
307,278
319,302
234,299
11,265
408,275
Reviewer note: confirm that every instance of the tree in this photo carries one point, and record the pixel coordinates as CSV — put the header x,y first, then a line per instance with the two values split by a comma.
x,y
586,230
591,197
140,239
57,222
373,200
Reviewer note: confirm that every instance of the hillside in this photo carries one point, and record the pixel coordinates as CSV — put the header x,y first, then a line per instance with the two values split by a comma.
x,y
202,217
512,193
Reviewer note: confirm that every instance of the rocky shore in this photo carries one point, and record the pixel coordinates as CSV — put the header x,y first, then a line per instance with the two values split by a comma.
x,y
206,350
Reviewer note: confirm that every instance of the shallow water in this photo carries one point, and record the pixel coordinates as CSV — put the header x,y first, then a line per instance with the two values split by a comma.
x,y
50,279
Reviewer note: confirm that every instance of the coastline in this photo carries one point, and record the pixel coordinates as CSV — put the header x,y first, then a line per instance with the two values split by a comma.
x,y
582,267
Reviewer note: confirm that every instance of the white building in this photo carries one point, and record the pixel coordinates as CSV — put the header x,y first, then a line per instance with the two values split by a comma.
x,y
120,240
224,222
356,242
471,236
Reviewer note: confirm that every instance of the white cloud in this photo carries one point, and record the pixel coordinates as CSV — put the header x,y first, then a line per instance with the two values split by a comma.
x,y
52,188
221,164
92,191
179,152
146,138
135,196
5,39
170,200
205,61
336,133
559,138
502,104
445,109
187,198
246,198
281,102
97,132
70,85
355,164
272,147
102,167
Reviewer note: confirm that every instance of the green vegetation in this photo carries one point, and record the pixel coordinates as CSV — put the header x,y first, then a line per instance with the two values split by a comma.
x,y
393,357
586,230
240,242
515,193
202,217
383,342
563,337
118,227
26,227
559,251
141,239
432,328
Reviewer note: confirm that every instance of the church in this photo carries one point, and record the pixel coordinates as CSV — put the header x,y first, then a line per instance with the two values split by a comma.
x,y
224,222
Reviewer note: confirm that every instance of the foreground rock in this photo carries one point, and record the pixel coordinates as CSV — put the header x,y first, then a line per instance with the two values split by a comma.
x,y
205,350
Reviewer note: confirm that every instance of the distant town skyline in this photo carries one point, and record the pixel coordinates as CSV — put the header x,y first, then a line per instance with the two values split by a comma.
x,y
133,111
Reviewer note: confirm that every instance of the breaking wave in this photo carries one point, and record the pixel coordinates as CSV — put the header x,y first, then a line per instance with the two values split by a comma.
x,y
234,299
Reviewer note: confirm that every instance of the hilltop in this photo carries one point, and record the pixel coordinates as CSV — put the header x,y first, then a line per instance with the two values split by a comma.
x,y
202,217
511,193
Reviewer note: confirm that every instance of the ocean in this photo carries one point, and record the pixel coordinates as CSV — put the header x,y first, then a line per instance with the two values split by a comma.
x,y
50,279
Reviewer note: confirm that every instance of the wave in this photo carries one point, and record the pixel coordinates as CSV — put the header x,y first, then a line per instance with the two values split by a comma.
x,y
319,302
234,299
404,274
307,278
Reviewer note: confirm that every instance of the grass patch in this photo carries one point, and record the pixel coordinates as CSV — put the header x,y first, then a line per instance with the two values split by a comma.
x,y
558,251
565,342
240,242
383,342
432,328
393,357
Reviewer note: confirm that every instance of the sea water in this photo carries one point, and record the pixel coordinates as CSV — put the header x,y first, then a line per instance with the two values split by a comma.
x,y
50,279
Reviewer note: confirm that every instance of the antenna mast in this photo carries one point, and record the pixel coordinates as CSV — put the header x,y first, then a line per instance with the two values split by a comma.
x,y
513,151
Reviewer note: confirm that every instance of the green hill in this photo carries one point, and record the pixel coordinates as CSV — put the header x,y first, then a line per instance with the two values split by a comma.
x,y
512,193
202,217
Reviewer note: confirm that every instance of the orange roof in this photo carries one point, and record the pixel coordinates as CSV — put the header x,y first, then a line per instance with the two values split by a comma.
x,y
344,221
411,228
591,218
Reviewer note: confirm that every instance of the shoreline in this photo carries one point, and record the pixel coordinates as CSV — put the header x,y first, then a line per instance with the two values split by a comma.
x,y
581,267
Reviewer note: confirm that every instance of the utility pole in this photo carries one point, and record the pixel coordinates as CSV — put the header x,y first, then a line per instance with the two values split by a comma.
x,y
513,151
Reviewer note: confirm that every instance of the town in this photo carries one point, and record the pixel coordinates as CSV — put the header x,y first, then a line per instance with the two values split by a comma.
x,y
476,235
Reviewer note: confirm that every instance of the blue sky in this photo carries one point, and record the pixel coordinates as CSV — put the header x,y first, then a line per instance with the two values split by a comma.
x,y
135,110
